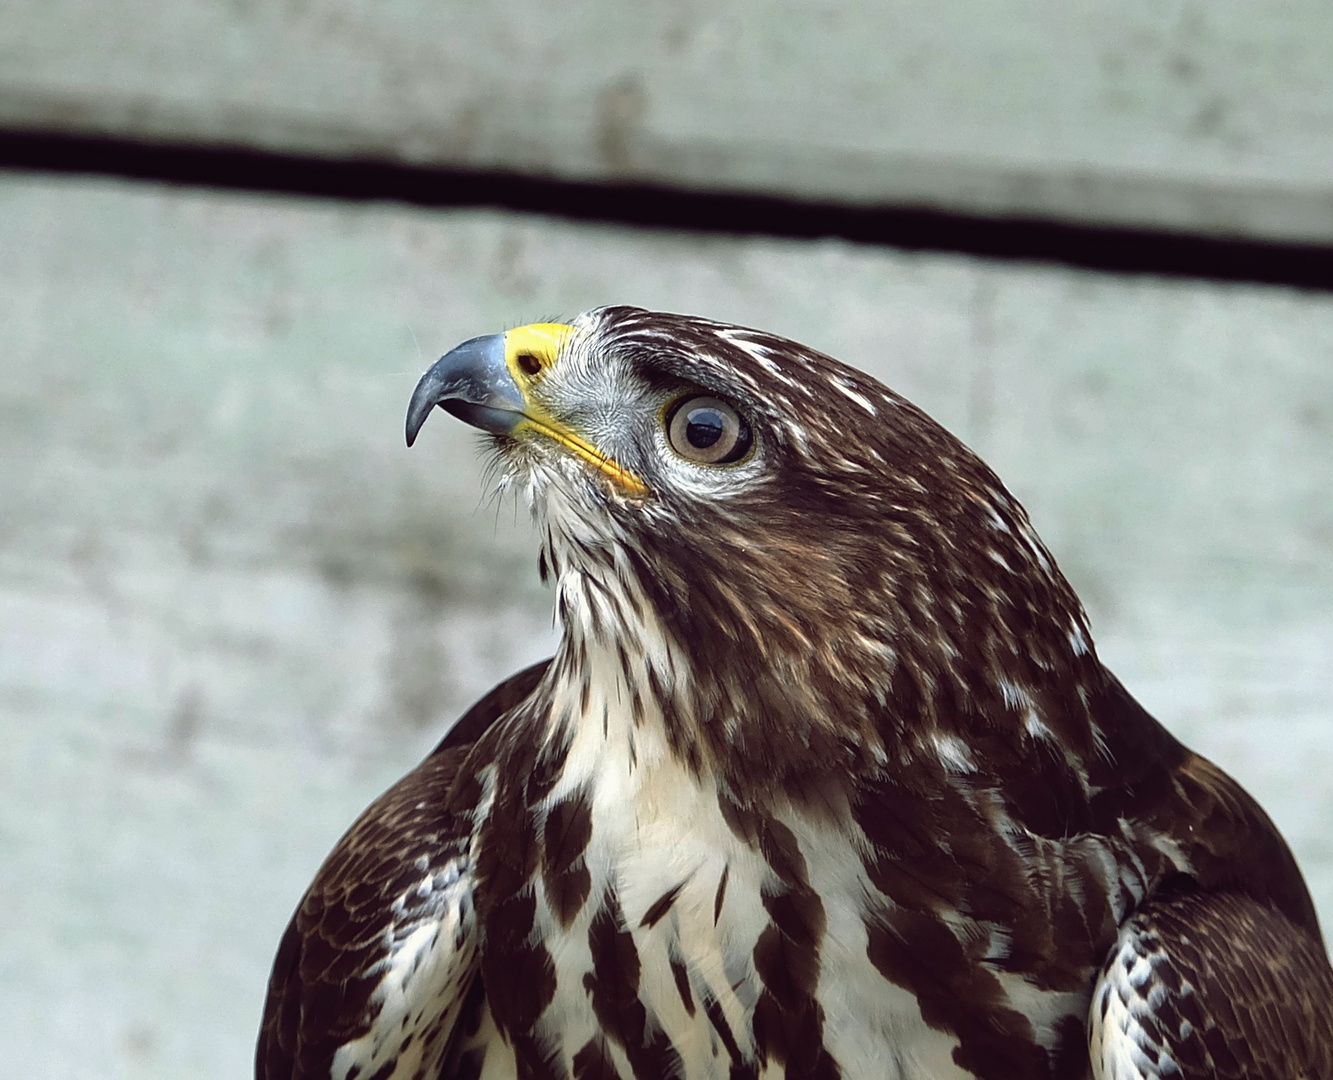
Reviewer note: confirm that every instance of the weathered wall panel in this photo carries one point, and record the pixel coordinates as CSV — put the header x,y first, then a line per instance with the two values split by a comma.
x,y
1214,115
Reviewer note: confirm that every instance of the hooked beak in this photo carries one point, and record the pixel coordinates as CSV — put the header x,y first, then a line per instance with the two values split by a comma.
x,y
486,382
473,382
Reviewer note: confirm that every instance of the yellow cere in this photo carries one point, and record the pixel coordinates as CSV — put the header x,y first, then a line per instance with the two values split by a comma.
x,y
539,342
529,351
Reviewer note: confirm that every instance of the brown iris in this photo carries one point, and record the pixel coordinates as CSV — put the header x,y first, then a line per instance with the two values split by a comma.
x,y
708,431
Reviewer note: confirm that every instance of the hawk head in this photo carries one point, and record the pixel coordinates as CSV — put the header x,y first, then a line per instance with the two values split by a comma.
x,y
806,572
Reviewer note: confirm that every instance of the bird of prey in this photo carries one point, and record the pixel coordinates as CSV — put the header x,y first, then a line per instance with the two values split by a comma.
x,y
824,780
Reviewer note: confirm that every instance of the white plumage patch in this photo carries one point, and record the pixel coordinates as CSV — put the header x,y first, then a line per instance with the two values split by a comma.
x,y
847,390
863,1013
430,948
1124,1042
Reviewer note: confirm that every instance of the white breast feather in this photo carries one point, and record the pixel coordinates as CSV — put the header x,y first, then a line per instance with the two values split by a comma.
x,y
863,1012
654,826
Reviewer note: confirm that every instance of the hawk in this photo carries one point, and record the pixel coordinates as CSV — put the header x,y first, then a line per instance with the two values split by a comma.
x,y
825,778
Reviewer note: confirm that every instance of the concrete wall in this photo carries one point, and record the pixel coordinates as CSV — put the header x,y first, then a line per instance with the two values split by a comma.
x,y
233,606
1191,114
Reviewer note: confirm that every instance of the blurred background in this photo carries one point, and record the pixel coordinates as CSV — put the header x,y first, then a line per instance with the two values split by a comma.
x,y
233,607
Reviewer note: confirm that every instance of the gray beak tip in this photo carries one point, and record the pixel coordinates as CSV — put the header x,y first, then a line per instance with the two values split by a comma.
x,y
416,416
471,382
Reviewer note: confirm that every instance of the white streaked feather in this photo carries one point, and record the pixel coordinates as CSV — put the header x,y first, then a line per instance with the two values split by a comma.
x,y
852,394
1123,1042
863,1012
426,972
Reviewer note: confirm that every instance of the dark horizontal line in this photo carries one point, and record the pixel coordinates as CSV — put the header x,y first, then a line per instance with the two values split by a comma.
x,y
656,206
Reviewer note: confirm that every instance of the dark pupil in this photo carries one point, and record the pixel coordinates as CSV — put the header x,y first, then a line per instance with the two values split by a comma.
x,y
703,428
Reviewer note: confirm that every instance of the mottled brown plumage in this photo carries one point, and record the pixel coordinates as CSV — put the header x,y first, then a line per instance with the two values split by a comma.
x,y
825,779
324,973
1227,986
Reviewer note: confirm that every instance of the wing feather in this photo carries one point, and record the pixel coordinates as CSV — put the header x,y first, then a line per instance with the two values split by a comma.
x,y
378,961
1203,985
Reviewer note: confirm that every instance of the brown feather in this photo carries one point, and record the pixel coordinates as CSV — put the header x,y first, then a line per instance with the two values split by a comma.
x,y
1239,990
323,975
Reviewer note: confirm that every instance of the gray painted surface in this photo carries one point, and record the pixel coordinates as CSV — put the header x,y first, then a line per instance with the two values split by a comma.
x,y
1215,115
233,606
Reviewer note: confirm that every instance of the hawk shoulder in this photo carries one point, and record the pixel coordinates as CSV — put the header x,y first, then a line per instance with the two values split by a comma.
x,y
378,966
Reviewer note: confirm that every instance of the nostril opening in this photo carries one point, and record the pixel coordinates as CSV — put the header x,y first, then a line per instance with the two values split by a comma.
x,y
529,363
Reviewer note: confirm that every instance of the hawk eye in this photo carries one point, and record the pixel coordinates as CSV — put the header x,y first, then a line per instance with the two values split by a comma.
x,y
708,431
